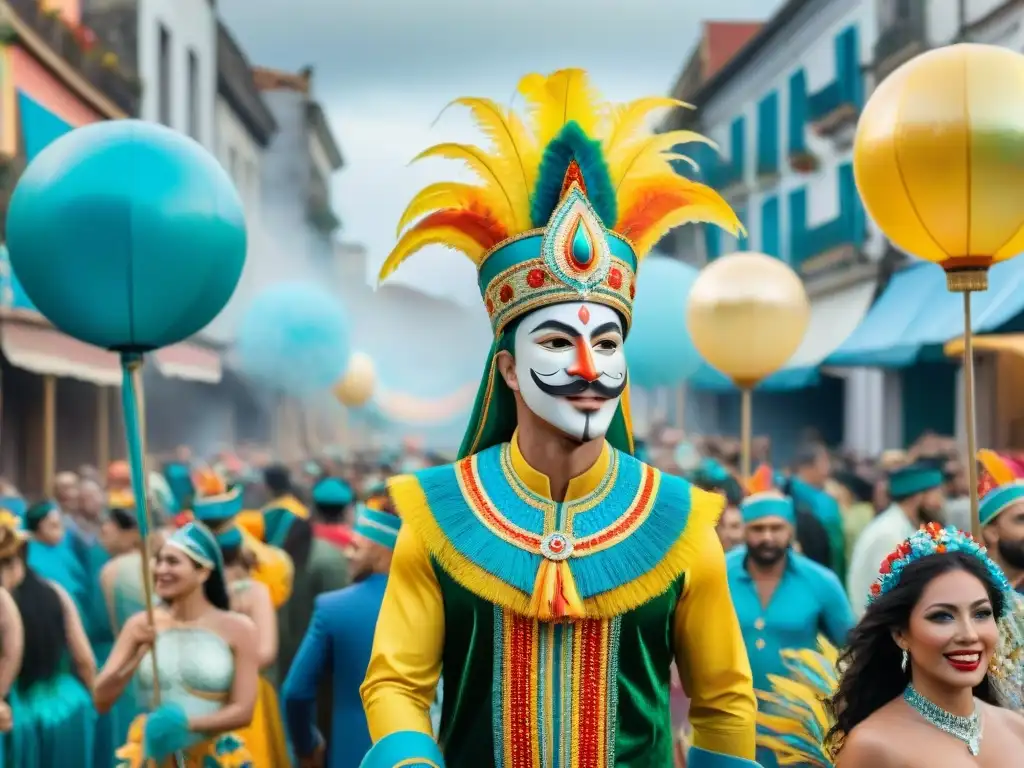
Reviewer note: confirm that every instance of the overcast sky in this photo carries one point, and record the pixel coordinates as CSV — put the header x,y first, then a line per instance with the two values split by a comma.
x,y
385,68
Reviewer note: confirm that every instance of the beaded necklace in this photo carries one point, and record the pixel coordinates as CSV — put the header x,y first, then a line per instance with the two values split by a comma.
x,y
966,729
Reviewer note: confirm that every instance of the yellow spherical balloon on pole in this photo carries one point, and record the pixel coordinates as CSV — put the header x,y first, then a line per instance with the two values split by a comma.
x,y
747,314
356,387
939,162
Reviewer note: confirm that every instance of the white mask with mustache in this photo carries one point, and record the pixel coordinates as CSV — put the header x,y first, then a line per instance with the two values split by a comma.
x,y
572,348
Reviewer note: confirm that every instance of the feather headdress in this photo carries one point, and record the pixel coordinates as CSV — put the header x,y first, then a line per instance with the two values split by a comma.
x,y
792,720
570,195
765,499
999,487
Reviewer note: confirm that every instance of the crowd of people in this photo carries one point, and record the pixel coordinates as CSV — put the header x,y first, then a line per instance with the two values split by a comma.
x,y
804,545
249,562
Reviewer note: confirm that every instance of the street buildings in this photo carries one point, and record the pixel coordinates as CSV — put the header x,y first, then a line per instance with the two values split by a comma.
x,y
782,99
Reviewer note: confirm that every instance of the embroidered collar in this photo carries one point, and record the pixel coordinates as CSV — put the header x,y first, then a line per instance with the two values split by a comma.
x,y
604,553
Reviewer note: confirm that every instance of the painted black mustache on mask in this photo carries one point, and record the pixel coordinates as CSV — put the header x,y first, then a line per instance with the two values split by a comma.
x,y
578,387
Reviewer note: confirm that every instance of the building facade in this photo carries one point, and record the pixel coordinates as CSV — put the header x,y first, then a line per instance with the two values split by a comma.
x,y
784,109
244,127
172,44
297,210
57,400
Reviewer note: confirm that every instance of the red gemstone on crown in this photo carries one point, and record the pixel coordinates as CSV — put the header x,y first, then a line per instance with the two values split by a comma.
x,y
490,307
615,278
535,278
506,293
632,290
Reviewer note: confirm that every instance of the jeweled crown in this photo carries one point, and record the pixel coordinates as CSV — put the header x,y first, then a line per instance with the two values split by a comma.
x,y
570,199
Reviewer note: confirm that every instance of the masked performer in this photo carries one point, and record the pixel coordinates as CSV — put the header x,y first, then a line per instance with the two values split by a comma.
x,y
552,575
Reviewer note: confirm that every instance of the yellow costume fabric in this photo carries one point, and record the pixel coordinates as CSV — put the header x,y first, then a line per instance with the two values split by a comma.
x,y
712,659
265,737
290,503
224,751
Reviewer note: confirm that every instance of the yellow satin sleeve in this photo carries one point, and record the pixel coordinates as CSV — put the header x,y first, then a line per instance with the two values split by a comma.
x,y
712,658
405,663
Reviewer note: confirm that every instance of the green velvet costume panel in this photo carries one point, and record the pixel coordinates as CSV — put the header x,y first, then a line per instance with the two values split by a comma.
x,y
642,735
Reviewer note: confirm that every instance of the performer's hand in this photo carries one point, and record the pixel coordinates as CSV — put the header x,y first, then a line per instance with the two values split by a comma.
x,y
6,721
142,635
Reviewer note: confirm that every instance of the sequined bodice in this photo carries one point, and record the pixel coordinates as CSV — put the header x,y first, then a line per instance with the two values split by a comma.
x,y
196,669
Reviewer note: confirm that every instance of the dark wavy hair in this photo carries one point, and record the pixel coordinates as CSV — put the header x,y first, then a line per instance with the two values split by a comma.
x,y
42,615
871,664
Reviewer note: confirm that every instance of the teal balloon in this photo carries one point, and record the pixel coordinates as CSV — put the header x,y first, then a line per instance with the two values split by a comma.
x,y
659,350
127,235
294,339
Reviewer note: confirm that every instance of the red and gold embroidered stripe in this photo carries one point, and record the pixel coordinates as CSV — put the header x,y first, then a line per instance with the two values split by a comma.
x,y
478,501
519,692
590,695
628,522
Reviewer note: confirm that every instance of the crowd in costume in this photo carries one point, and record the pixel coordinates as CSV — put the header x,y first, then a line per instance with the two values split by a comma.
x,y
556,596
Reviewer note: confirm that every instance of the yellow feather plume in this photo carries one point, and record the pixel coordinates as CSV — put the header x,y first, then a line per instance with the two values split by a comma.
x,y
481,164
622,162
417,239
506,158
996,467
559,98
468,217
450,194
628,120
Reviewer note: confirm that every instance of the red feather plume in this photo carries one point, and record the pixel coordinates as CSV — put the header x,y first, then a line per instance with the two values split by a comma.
x,y
762,481
476,223
650,204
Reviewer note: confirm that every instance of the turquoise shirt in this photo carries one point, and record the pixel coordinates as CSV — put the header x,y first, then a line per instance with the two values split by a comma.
x,y
808,601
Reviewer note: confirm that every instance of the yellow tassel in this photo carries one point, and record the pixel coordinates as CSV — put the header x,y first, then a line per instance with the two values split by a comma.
x,y
555,597
690,549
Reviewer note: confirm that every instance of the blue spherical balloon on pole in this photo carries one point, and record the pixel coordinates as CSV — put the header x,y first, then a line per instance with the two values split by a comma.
x,y
127,235
294,339
659,350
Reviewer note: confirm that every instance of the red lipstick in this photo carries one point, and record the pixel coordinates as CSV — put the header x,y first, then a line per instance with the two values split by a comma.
x,y
964,661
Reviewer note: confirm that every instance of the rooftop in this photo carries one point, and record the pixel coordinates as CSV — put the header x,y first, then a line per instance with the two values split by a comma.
x,y
238,87
724,39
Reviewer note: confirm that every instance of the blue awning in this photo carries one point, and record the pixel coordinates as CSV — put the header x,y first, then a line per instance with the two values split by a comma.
x,y
916,311
39,128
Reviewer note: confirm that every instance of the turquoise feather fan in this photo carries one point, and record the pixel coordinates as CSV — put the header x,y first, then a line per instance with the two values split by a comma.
x,y
573,144
792,720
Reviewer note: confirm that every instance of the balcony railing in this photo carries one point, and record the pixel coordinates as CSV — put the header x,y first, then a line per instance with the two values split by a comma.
x,y
899,43
78,46
320,210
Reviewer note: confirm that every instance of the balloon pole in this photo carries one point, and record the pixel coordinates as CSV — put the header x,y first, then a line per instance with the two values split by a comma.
x,y
131,365
966,282
746,430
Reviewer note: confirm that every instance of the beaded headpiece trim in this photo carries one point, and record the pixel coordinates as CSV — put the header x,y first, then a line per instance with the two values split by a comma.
x,y
932,539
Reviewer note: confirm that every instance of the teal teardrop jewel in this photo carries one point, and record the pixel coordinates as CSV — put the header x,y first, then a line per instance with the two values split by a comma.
x,y
582,248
